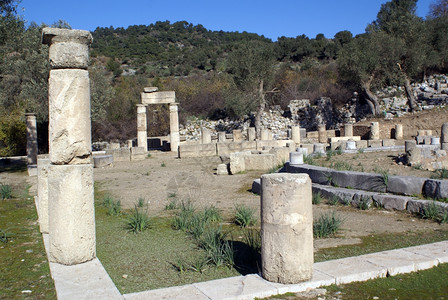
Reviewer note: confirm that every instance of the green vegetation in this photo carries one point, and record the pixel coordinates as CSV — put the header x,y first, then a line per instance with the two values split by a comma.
x,y
138,220
316,198
5,191
244,216
23,260
326,224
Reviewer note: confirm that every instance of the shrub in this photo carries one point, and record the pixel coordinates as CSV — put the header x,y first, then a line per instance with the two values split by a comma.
x,y
317,198
5,191
138,220
244,216
326,225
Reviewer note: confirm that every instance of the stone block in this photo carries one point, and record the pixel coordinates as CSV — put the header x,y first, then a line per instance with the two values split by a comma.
x,y
335,145
438,251
259,162
138,153
281,154
222,170
405,185
362,144
436,189
309,148
256,186
71,214
296,158
391,202
237,136
69,117
358,180
171,293
261,145
374,143
343,195
69,49
227,148
286,228
388,143
197,150
344,138
123,154
101,161
158,97
237,161
319,175
416,206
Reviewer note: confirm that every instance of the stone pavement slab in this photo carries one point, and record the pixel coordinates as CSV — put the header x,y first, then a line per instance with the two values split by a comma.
x,y
171,293
400,261
438,251
346,270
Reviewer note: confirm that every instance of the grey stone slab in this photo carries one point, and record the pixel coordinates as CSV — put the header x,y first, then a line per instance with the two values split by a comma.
x,y
405,185
100,161
83,281
350,269
436,189
343,195
319,279
241,287
391,202
400,261
416,206
319,175
172,293
358,180
438,251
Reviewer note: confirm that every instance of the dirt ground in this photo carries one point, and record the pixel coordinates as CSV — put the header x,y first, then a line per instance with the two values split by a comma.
x,y
157,177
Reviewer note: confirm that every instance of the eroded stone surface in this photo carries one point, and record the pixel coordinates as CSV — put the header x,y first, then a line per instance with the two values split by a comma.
x,y
69,127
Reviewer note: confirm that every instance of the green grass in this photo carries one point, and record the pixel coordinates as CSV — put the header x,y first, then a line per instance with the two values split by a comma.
x,y
5,191
427,284
326,224
244,216
23,262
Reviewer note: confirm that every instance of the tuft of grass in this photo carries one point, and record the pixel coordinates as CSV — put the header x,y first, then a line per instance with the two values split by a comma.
x,y
252,238
309,160
244,216
138,220
330,153
140,202
440,174
5,191
361,150
364,204
163,165
173,204
341,166
333,200
346,201
114,208
317,198
212,214
431,211
327,224
148,155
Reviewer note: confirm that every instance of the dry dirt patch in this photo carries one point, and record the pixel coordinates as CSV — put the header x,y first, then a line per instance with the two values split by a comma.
x,y
157,177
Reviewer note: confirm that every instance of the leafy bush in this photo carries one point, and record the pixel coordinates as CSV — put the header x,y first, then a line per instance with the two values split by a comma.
x,y
326,225
244,216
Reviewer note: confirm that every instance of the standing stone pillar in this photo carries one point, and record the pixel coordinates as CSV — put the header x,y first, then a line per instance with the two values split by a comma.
x,y
206,137
174,127
237,136
413,153
322,134
348,130
142,127
374,131
221,136
251,134
42,194
70,173
295,134
295,158
399,132
286,228
31,139
444,136
265,134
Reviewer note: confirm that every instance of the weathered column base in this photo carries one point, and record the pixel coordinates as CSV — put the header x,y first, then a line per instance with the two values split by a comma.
x,y
71,212
286,228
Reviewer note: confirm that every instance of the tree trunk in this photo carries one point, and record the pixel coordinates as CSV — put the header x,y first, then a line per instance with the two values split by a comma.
x,y
372,100
409,93
261,107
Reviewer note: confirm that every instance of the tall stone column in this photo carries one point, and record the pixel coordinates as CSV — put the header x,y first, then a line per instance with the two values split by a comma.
x,y
286,228
70,173
221,137
265,134
295,134
374,131
31,139
142,127
348,130
206,136
174,127
237,135
251,134
322,131
399,132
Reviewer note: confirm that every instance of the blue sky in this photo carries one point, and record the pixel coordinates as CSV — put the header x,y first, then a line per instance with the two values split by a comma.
x,y
269,18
